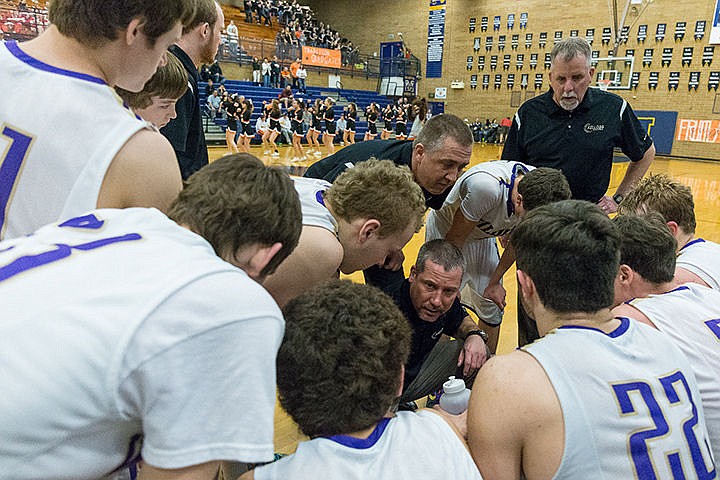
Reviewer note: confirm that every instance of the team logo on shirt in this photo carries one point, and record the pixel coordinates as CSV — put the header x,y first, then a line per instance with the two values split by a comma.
x,y
590,128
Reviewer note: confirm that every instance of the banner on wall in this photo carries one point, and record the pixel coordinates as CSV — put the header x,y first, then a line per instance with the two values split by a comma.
x,y
703,131
715,30
660,125
321,57
436,39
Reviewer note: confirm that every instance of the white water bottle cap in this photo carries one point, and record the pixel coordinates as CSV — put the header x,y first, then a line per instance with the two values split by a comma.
x,y
454,385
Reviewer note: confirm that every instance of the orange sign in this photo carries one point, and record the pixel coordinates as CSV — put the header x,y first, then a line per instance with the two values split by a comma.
x,y
706,131
321,57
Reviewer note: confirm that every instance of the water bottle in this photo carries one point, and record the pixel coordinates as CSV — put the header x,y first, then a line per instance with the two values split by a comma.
x,y
455,396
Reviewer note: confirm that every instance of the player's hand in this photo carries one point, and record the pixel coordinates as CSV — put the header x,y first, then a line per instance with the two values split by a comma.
x,y
473,354
496,293
394,261
608,205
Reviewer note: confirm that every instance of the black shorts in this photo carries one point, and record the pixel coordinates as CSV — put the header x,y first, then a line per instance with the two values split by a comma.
x,y
247,129
232,124
372,129
330,127
298,129
400,129
275,125
350,126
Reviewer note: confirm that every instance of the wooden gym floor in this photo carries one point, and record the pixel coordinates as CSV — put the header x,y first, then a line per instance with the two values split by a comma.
x,y
702,176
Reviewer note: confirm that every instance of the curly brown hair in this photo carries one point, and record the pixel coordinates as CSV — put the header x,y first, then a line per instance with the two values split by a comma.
x,y
340,364
237,201
381,190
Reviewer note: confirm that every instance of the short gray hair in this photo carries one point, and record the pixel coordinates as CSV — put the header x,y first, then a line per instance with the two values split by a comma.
x,y
443,126
569,48
443,253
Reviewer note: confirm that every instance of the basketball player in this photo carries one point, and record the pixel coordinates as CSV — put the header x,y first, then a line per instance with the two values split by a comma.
x,y
597,396
487,202
688,313
88,151
155,103
340,368
198,45
698,259
370,211
149,334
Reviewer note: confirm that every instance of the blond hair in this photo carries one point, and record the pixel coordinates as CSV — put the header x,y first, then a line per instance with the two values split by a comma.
x,y
664,195
381,190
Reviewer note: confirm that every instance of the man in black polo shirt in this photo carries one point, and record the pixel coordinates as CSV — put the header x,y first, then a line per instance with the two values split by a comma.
x,y
436,157
198,44
428,299
574,128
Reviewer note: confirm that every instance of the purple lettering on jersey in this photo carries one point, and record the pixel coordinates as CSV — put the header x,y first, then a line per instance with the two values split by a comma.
x,y
10,167
29,262
714,326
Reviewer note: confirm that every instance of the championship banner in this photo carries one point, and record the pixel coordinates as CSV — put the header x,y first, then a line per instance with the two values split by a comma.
x,y
321,57
715,29
705,131
436,39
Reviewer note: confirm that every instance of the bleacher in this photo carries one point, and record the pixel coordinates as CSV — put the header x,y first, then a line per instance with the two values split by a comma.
x,y
342,97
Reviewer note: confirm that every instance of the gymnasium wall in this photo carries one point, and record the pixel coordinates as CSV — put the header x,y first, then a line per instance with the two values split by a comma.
x,y
697,125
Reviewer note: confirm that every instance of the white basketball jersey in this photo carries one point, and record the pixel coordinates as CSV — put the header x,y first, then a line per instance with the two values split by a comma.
x,y
54,153
120,329
483,196
690,315
314,211
409,446
702,258
630,404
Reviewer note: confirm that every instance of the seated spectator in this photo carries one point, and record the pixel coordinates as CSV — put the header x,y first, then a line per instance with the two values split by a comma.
x,y
286,128
286,96
155,103
216,73
338,375
213,103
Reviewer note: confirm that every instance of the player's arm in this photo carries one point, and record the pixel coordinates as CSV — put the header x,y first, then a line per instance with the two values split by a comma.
x,y
495,291
144,173
636,171
474,352
627,310
460,229
515,423
315,260
205,471
247,475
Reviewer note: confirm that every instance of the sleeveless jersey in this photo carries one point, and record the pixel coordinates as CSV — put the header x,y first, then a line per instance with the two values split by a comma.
x,y
483,196
630,404
702,258
409,446
314,212
56,154
100,318
690,315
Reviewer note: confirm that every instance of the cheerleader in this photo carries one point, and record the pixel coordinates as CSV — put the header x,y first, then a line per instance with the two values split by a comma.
x,y
246,128
297,112
231,107
349,135
329,117
274,129
372,115
388,114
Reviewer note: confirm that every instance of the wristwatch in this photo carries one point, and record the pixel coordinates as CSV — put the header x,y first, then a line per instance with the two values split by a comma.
x,y
479,333
618,197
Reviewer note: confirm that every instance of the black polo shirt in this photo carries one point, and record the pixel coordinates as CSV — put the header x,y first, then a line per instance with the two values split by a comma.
x,y
581,142
399,151
185,132
425,335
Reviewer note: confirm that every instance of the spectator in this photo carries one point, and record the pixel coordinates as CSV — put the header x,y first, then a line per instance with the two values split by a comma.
x,y
285,78
256,68
266,72
216,73
301,78
213,104
275,72
286,96
293,71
